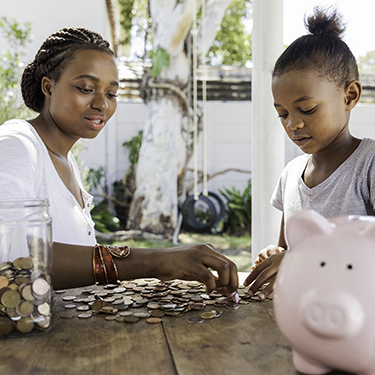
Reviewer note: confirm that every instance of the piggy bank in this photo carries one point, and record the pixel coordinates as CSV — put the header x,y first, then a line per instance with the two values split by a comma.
x,y
324,295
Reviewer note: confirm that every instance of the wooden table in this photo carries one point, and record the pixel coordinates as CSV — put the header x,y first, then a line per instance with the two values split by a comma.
x,y
244,341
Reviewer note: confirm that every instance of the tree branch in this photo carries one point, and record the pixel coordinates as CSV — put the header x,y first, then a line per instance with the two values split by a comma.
x,y
174,22
215,10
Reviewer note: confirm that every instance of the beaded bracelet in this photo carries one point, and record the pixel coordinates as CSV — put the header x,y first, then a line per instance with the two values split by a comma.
x,y
105,270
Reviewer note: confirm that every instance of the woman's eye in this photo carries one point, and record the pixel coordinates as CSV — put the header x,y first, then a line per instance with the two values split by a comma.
x,y
84,90
112,96
283,115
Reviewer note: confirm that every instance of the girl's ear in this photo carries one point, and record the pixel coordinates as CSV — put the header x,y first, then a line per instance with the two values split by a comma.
x,y
353,93
46,86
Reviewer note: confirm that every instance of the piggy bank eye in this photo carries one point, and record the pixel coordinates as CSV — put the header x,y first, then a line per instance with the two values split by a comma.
x,y
322,264
349,267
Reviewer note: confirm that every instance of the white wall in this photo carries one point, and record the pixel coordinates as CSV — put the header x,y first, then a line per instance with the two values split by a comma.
x,y
228,133
48,16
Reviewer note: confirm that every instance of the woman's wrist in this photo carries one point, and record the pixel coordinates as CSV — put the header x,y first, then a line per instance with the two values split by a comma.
x,y
140,263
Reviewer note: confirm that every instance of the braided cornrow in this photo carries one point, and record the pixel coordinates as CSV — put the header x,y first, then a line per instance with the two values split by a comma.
x,y
53,57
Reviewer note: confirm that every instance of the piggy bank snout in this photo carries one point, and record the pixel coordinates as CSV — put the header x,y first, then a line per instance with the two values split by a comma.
x,y
332,314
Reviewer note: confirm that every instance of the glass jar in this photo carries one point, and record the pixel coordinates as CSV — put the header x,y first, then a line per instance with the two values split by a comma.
x,y
25,267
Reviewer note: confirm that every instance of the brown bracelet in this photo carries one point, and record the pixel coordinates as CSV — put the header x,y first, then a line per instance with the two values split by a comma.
x,y
99,267
105,270
110,266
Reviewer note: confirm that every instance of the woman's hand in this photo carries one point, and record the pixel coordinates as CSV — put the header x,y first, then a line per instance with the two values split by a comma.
x,y
192,262
265,272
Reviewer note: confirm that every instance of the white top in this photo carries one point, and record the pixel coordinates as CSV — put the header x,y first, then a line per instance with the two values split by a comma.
x,y
349,190
27,171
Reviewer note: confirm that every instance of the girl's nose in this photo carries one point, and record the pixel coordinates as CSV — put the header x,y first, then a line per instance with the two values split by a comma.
x,y
294,124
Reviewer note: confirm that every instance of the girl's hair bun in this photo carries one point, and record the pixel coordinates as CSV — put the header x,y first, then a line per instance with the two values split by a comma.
x,y
322,50
325,22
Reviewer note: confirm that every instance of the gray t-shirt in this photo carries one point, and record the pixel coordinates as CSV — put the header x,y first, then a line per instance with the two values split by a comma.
x,y
349,190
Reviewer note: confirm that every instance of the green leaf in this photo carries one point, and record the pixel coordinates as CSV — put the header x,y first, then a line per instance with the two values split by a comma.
x,y
161,60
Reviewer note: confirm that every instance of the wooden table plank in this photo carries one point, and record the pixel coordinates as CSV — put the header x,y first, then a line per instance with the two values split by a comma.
x,y
244,341
76,346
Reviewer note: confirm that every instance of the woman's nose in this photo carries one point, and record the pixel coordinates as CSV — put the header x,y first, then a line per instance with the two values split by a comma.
x,y
99,102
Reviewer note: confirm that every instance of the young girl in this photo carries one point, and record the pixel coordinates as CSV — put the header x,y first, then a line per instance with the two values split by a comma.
x,y
315,86
72,84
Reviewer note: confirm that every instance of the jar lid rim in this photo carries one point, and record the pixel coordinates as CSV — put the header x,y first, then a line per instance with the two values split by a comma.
x,y
24,202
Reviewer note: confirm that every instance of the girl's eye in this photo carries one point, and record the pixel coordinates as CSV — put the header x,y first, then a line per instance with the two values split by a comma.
x,y
283,116
312,110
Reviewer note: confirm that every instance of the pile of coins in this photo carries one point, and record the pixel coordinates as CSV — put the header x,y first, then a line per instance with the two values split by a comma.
x,y
149,299
25,297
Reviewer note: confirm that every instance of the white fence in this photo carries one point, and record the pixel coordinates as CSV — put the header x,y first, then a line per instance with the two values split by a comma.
x,y
228,133
229,140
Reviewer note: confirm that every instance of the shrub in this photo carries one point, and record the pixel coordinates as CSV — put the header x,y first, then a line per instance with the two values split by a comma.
x,y
237,219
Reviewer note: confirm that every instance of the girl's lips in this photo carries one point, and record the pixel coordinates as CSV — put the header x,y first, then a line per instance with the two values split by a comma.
x,y
301,141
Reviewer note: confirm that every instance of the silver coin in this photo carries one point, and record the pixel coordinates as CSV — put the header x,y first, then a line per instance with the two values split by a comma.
x,y
196,320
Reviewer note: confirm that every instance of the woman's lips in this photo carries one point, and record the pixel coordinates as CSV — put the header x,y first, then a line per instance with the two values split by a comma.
x,y
95,122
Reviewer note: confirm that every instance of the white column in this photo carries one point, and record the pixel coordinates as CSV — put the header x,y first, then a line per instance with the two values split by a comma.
x,y
268,155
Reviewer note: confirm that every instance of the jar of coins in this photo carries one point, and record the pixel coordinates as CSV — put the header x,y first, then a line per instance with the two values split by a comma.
x,y
25,267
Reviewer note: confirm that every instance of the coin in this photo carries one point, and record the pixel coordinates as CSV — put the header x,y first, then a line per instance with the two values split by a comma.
x,y
153,320
41,287
70,306
232,306
97,305
69,298
125,313
4,266
25,325
130,319
141,315
27,293
26,263
26,307
16,263
66,316
195,320
4,282
6,326
157,313
85,315
10,298
198,306
44,309
83,308
110,317
216,313
208,315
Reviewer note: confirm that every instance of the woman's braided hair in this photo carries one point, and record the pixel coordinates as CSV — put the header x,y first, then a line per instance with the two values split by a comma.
x,y
53,57
322,51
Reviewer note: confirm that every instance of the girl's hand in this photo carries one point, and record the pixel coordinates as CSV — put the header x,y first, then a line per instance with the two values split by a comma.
x,y
192,262
266,253
265,272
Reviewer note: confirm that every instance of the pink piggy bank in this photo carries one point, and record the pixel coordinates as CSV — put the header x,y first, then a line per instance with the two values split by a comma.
x,y
324,299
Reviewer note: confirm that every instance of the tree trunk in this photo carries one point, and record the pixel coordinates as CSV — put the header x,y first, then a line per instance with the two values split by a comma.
x,y
154,206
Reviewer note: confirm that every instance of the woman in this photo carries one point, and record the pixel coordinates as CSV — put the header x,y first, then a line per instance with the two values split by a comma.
x,y
72,83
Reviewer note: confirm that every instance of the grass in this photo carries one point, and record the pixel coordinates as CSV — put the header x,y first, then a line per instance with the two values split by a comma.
x,y
238,249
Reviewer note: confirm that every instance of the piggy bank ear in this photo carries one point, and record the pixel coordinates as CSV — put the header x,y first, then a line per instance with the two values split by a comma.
x,y
304,224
